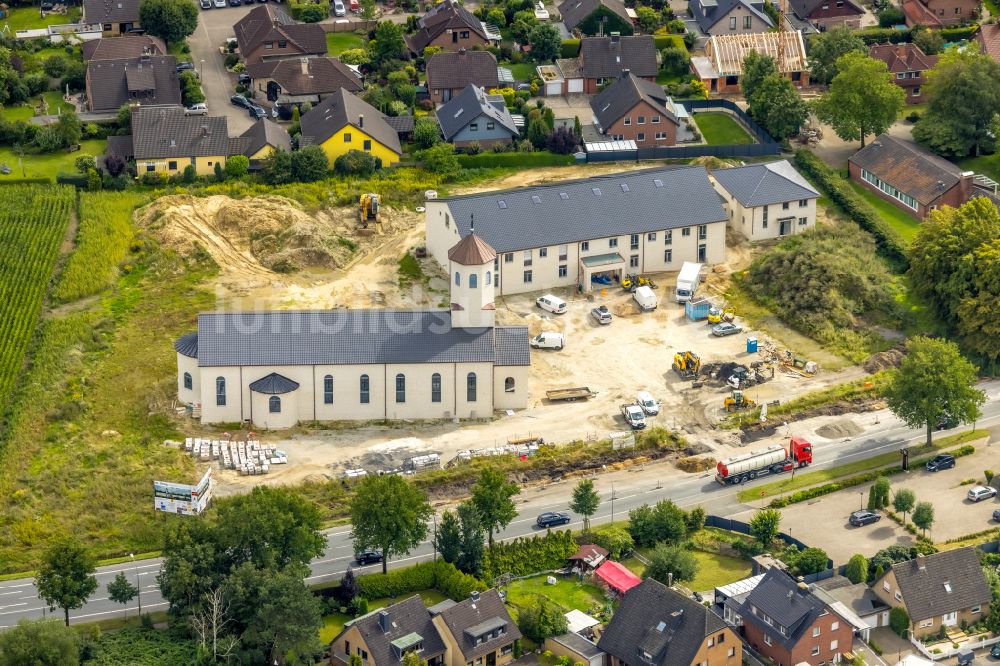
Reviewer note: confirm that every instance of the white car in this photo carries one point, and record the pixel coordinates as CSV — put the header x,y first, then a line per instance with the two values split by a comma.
x,y
220,4
338,8
981,492
551,303
548,341
645,400
196,110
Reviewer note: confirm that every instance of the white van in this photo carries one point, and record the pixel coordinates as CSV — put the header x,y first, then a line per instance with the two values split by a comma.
x,y
645,400
548,341
645,298
551,303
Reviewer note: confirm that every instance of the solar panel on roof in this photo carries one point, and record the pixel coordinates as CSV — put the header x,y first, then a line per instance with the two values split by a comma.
x,y
502,203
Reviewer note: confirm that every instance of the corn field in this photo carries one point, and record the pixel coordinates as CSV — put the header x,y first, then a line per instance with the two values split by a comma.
x,y
33,220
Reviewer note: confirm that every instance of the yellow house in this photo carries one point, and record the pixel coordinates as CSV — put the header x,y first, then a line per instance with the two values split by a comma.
x,y
261,139
166,140
343,122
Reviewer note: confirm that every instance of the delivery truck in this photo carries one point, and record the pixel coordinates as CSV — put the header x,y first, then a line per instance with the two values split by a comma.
x,y
687,281
772,460
645,298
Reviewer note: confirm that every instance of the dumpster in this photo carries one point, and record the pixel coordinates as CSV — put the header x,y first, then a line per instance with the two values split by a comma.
x,y
697,309
752,345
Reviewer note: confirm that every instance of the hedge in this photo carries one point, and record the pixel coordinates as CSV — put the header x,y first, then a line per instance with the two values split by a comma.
x,y
528,555
570,48
882,35
440,576
489,160
75,179
34,180
839,190
857,480
663,41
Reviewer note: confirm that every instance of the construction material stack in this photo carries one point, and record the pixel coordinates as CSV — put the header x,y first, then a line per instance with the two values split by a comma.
x,y
249,457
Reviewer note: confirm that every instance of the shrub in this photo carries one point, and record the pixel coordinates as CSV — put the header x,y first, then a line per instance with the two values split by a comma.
x,y
857,569
85,163
426,133
357,163
313,13
665,522
913,116
616,540
528,555
891,16
237,166
988,473
231,59
899,621
570,48
440,576
541,620
514,159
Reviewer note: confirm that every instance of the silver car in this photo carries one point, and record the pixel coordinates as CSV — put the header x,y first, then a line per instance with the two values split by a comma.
x,y
601,314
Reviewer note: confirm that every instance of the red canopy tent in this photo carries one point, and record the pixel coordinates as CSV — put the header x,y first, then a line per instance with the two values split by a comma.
x,y
616,577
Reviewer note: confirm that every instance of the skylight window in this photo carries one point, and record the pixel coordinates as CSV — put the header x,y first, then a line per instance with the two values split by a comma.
x,y
563,195
536,199
502,204
947,587
625,187
658,182
596,191
661,626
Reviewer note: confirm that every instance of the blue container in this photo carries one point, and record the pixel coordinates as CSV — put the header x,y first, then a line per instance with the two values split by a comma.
x,y
751,345
697,309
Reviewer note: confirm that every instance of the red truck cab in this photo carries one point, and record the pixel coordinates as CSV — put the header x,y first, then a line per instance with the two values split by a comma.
x,y
800,451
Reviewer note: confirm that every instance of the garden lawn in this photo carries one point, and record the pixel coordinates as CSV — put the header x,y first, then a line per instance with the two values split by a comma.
x,y
334,622
903,224
714,569
522,71
988,165
338,42
719,129
55,101
15,113
47,165
27,110
567,592
27,18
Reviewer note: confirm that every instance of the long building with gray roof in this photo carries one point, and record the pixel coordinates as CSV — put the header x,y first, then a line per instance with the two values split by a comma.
x,y
583,232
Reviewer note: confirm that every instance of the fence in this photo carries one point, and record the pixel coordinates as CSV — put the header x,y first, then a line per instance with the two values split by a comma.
x,y
744,528
951,652
348,26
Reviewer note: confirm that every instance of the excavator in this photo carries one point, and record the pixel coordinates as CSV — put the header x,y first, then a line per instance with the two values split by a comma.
x,y
758,373
737,402
368,209
687,364
718,315
633,280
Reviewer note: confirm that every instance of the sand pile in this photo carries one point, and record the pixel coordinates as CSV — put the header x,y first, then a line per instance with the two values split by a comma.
x,y
884,360
839,429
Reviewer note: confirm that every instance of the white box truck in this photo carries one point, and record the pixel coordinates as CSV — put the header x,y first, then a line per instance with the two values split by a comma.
x,y
687,281
645,298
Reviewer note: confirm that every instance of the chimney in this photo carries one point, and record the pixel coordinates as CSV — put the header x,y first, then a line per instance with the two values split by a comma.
x,y
204,130
670,579
615,37
626,72
383,620
921,563
474,595
361,120
461,51
305,65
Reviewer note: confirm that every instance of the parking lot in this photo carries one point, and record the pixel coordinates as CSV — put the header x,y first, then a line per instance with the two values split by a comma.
x,y
954,515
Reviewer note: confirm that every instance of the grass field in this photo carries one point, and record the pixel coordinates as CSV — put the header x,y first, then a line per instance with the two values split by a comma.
x,y
27,110
48,165
28,18
714,570
988,165
338,42
567,592
719,129
522,71
904,225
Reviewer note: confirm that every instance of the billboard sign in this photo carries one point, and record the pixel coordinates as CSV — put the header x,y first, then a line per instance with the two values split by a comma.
x,y
182,498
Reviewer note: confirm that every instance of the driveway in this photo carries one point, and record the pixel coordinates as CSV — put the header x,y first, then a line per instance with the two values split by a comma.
x,y
214,26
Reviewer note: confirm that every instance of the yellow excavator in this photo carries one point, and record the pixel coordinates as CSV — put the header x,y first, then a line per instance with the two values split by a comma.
x,y
687,364
368,209
738,402
633,280
718,315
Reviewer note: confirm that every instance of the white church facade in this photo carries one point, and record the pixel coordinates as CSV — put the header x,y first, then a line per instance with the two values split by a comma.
x,y
275,369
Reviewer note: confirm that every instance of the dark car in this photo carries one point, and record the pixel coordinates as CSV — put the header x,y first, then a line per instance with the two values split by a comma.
x,y
550,518
235,3
244,79
995,651
185,67
996,517
47,6
864,517
939,462
240,100
257,111
368,557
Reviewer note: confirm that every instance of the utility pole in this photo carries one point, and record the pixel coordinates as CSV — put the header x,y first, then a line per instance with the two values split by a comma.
x,y
138,587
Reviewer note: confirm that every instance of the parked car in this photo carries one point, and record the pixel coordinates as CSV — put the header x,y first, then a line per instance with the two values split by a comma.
x,y
206,4
220,4
996,517
634,415
235,3
355,6
601,314
368,557
196,110
978,493
995,651
940,461
864,517
257,111
240,100
244,79
648,404
185,67
338,8
550,518
725,328
551,303
548,341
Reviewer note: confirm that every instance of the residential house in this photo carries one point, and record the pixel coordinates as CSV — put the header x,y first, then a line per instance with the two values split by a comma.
x,y
383,637
296,81
166,140
477,630
788,622
473,117
450,26
597,17
940,13
721,67
117,17
908,65
126,46
602,60
636,110
938,591
269,33
826,14
449,72
657,625
907,175
730,17
767,200
989,40
145,80
578,649
343,122
563,234
263,138
859,599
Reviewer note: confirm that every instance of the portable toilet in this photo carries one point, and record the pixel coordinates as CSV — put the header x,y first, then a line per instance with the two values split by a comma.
x,y
752,345
697,309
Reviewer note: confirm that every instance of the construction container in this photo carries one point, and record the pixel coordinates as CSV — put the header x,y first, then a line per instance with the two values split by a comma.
x,y
752,345
697,309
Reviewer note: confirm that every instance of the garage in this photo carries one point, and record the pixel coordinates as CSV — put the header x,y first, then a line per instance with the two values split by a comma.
x,y
574,86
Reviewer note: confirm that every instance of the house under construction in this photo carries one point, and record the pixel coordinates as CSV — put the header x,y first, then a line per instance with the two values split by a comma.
x,y
721,66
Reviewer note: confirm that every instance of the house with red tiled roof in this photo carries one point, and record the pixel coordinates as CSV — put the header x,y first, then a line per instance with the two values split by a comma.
x,y
989,40
908,66
940,13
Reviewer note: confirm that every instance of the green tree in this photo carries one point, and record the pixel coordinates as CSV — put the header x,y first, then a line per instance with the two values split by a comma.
x,y
923,516
904,501
890,17
426,133
68,128
54,66
278,168
286,616
614,539
878,494
541,620
190,567
665,522
220,172
934,383
857,569
309,164
388,43
356,163
538,133
863,98
124,118
675,60
237,166
826,48
899,621
39,643
810,561
648,19
441,159
545,42
963,99
448,539
765,525
471,529
85,163
667,560
778,107
122,591
495,16
368,10
390,514
929,41
172,20
756,68
411,658
585,501
978,325
493,496
66,575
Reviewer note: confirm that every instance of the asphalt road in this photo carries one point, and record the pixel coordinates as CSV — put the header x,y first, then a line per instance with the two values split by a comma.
x,y
884,433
